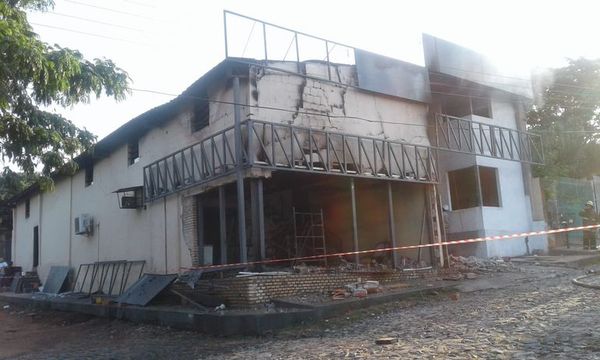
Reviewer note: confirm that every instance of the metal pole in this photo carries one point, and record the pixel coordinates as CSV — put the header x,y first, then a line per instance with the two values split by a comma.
x,y
225,32
265,41
392,228
200,229
239,171
254,217
354,226
328,63
297,52
222,224
261,220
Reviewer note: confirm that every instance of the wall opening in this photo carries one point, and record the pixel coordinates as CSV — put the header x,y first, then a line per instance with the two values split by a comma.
x,y
133,152
488,178
36,246
474,186
201,116
89,174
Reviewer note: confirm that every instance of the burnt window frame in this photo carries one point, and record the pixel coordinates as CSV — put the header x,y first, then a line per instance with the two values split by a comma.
x,y
479,197
486,102
36,246
452,103
89,174
27,208
133,152
200,113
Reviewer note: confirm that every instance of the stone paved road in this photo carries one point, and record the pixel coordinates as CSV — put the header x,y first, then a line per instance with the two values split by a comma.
x,y
539,314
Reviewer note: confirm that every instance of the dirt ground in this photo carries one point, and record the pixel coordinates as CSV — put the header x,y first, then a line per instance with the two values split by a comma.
x,y
534,313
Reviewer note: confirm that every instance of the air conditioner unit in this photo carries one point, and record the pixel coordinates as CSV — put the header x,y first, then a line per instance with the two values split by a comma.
x,y
130,202
84,225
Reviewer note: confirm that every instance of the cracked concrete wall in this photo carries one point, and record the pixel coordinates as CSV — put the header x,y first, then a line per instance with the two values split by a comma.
x,y
289,98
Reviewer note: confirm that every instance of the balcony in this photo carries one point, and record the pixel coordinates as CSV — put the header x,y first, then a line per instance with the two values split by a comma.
x,y
286,147
471,137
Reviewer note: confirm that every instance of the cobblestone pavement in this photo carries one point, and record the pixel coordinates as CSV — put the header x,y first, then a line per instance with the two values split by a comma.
x,y
539,314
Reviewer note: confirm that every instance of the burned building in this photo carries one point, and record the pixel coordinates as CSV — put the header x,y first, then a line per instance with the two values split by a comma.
x,y
289,154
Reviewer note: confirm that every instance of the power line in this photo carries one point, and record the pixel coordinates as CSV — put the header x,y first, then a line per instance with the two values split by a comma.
x,y
88,34
110,10
139,3
309,113
95,21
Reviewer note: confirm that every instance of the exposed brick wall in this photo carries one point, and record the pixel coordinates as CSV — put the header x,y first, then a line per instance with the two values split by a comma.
x,y
248,291
189,226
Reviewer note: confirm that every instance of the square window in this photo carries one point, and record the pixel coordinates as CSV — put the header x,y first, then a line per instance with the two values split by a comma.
x,y
464,192
481,107
474,186
488,178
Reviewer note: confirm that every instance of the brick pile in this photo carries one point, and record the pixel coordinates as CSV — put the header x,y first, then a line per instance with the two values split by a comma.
x,y
255,290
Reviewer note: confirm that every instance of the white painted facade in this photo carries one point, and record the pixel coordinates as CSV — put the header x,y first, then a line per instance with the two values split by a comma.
x,y
156,234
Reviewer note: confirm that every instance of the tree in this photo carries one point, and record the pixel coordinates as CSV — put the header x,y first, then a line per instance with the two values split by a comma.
x,y
34,75
12,183
569,121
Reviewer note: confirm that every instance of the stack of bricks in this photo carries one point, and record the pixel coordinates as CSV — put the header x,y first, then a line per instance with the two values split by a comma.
x,y
254,290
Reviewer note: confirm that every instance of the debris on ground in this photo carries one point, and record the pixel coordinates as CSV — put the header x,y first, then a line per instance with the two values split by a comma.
x,y
386,341
474,264
454,296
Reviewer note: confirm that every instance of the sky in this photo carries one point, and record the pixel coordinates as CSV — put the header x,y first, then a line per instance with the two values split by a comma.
x,y
166,45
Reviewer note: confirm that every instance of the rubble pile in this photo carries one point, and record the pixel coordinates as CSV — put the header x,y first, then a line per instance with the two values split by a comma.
x,y
474,264
359,289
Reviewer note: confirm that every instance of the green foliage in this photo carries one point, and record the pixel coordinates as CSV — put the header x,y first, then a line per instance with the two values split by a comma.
x,y
569,121
12,183
34,74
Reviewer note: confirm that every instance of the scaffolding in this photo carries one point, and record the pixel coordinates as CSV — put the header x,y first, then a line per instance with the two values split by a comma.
x,y
309,234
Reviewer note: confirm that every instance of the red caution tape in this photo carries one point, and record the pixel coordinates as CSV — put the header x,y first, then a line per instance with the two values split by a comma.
x,y
398,248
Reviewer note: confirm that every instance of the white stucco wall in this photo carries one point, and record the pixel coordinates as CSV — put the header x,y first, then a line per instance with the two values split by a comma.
x,y
155,234
119,234
514,214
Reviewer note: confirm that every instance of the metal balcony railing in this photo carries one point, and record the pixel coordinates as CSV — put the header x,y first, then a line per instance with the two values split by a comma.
x,y
283,146
207,160
292,148
466,136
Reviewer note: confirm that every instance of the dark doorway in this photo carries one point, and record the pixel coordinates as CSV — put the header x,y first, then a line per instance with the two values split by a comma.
x,y
36,246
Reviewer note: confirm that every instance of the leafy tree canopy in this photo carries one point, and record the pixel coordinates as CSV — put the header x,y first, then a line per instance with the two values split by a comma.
x,y
12,183
34,75
569,121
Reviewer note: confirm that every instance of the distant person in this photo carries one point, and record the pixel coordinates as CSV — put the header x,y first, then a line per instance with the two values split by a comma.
x,y
589,217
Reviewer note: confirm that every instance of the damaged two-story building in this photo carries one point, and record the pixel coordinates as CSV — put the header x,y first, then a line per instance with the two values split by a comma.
x,y
270,158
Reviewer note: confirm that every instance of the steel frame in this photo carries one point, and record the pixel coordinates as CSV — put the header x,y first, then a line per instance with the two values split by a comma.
x,y
466,136
328,45
287,147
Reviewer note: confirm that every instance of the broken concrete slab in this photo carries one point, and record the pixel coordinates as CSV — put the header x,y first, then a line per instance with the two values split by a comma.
x,y
146,289
56,280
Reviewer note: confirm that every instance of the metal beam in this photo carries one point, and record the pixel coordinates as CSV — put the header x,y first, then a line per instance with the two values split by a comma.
x,y
254,218
392,226
239,170
222,225
354,226
200,229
